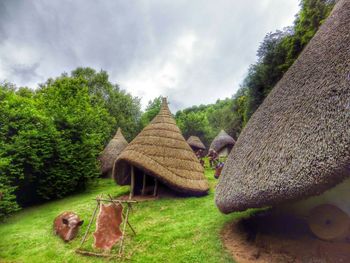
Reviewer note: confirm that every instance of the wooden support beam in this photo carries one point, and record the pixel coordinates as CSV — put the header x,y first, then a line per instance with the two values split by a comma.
x,y
155,187
132,185
126,218
93,254
115,200
88,228
143,184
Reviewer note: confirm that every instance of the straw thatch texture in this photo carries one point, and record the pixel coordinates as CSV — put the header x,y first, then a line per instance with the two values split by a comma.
x,y
161,151
112,151
195,143
297,144
222,140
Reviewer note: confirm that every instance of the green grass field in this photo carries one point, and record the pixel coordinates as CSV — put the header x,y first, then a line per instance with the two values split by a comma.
x,y
168,230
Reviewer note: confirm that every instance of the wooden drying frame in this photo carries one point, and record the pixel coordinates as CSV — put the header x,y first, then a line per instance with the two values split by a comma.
x,y
125,221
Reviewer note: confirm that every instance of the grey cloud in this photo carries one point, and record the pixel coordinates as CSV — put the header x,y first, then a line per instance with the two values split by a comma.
x,y
25,73
137,42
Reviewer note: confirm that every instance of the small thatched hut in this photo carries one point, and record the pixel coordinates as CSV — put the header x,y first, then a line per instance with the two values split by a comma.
x,y
222,144
195,143
111,152
297,144
159,157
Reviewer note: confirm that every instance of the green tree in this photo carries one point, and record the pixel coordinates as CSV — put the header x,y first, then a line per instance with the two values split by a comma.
x,y
82,126
125,108
151,111
8,202
26,141
196,124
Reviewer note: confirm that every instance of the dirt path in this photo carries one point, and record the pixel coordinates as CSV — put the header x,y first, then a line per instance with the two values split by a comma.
x,y
271,242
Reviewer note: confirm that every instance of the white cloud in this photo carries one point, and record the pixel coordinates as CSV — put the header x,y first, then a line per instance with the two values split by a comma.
x,y
194,52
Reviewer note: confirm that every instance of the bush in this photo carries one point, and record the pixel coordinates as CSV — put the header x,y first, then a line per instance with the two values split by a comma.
x,y
50,138
49,142
82,127
8,202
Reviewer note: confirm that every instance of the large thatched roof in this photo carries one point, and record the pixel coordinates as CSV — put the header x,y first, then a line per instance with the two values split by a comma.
x,y
297,144
221,141
161,151
112,151
195,143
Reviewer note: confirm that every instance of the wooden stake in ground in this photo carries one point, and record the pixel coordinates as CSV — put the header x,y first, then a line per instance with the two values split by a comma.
x,y
143,184
132,185
155,187
89,226
121,248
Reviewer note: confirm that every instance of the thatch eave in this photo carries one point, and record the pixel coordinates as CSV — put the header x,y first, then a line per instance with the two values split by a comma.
x,y
297,144
196,143
221,141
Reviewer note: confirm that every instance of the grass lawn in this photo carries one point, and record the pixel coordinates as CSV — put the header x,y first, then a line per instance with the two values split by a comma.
x,y
168,230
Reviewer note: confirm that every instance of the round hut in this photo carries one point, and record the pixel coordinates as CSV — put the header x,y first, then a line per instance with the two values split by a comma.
x,y
296,146
160,158
222,144
195,143
111,153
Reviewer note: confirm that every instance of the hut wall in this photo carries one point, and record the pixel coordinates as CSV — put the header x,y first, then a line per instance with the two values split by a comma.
x,y
338,196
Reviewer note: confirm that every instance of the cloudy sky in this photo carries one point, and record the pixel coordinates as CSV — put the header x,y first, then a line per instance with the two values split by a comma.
x,y
194,52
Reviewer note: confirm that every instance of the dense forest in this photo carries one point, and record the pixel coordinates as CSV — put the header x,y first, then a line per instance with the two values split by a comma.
x,y
50,137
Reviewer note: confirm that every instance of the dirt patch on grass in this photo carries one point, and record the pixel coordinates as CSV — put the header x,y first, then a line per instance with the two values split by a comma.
x,y
270,238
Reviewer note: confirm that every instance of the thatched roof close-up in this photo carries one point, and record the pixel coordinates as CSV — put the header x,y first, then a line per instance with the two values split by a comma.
x,y
161,151
112,151
195,143
297,144
221,141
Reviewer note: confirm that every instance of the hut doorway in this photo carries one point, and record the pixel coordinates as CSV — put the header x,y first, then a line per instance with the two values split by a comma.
x,y
224,152
142,184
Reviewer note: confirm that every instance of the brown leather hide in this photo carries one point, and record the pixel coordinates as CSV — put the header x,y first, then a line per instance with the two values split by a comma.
x,y
107,226
67,231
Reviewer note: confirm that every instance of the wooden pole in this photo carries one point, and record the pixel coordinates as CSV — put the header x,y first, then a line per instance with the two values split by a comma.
x,y
133,230
124,228
132,186
92,219
143,184
155,187
89,253
116,200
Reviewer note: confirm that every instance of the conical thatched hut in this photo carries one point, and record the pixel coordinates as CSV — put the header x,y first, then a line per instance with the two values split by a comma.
x,y
297,144
222,144
160,157
111,152
195,143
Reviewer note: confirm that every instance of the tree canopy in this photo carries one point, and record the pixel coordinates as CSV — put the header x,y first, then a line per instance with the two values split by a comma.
x,y
50,138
